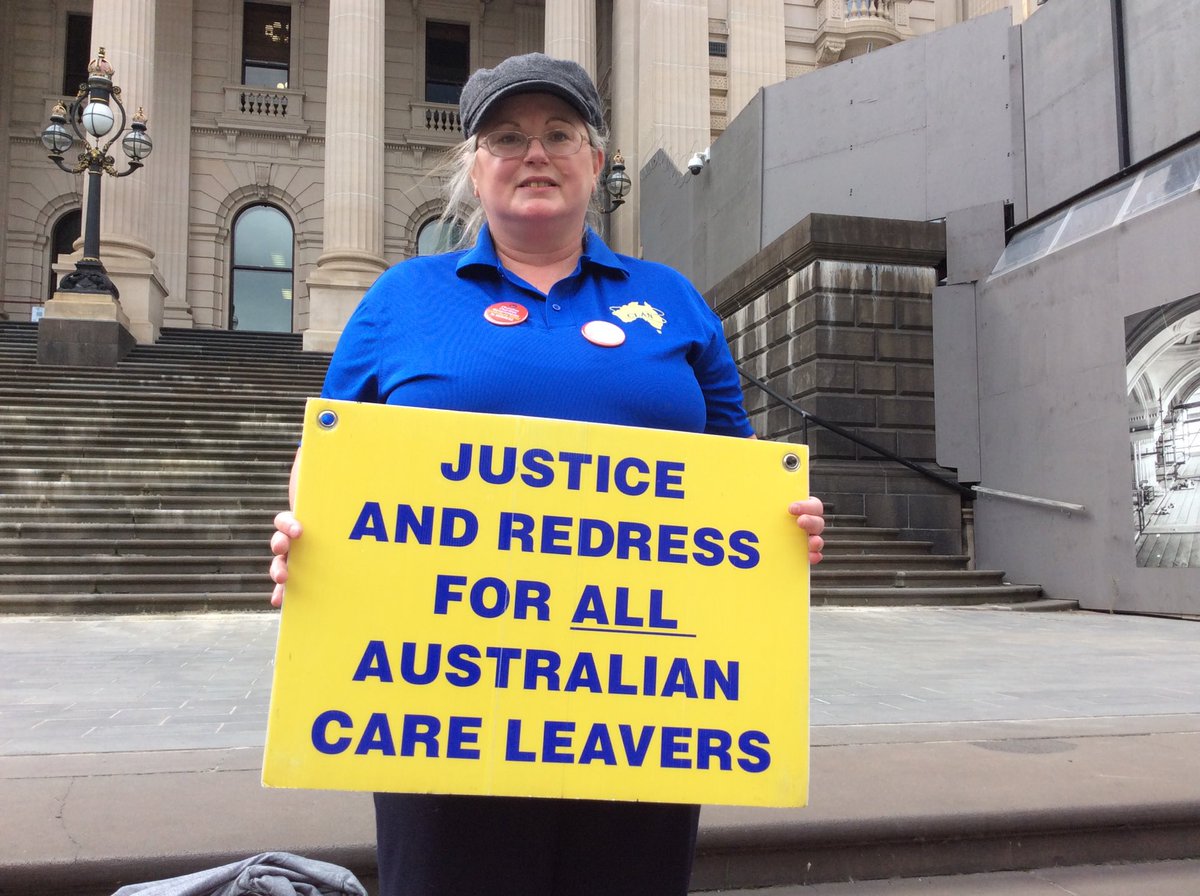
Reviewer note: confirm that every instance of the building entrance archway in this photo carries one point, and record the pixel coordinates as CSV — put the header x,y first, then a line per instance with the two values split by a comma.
x,y
262,272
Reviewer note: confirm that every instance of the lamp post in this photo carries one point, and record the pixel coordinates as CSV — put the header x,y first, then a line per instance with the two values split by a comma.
x,y
92,108
616,184
84,324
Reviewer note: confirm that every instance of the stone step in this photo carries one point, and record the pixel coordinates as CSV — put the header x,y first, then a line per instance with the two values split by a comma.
x,y
253,353
172,502
14,418
140,516
264,358
835,520
835,546
186,528
112,568
185,438
893,562
265,355
829,575
98,464
840,532
199,600
182,432
250,544
165,449
966,595
161,404
149,583
14,386
212,387
274,487
27,330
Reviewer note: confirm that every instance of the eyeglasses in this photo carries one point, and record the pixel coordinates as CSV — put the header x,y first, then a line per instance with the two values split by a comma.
x,y
511,144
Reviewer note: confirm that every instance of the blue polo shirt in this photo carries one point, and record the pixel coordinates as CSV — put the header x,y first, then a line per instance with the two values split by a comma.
x,y
419,338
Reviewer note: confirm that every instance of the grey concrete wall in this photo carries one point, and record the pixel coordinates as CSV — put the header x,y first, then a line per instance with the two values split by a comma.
x,y
1053,414
1030,367
975,114
974,240
1163,51
669,225
1069,100
911,132
956,380
700,222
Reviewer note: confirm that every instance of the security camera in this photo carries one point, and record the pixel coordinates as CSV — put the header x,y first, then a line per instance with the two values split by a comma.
x,y
697,162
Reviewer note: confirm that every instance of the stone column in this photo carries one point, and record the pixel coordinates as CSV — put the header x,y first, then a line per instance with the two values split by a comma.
x,y
624,233
660,93
757,54
353,208
125,28
530,28
571,31
169,188
673,80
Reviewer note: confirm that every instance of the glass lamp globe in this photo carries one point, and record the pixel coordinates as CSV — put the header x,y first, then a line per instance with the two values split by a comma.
x,y
56,139
137,143
618,183
97,118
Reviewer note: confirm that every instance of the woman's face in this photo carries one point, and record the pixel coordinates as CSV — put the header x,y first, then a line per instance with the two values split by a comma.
x,y
535,188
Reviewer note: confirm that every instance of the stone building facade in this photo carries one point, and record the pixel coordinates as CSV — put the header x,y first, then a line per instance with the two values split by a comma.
x,y
296,141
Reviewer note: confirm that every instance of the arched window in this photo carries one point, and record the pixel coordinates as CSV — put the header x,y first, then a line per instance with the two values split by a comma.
x,y
437,236
62,242
261,281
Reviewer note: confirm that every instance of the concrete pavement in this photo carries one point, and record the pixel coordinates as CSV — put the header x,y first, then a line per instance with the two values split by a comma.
x,y
944,741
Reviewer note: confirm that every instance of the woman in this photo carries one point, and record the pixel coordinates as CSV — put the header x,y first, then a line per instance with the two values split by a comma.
x,y
523,323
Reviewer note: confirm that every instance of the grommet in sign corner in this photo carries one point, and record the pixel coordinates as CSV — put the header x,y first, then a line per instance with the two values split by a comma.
x,y
327,419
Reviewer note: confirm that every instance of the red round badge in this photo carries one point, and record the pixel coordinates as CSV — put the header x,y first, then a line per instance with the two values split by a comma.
x,y
505,314
603,333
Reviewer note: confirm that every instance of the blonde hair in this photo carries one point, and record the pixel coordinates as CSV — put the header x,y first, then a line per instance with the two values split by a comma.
x,y
463,211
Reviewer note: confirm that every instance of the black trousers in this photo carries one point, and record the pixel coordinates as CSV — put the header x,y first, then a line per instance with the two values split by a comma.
x,y
433,845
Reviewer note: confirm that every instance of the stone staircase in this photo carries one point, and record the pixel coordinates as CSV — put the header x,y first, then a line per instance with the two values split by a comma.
x,y
873,566
152,486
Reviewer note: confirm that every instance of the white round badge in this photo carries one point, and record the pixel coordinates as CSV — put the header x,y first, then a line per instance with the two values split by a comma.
x,y
603,333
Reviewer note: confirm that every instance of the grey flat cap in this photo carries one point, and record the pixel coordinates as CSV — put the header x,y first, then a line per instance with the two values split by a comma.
x,y
531,73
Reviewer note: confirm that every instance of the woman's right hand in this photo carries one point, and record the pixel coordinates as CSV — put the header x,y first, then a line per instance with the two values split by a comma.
x,y
287,529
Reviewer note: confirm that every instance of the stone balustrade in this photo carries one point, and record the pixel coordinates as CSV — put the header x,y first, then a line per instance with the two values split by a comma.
x,y
263,108
436,120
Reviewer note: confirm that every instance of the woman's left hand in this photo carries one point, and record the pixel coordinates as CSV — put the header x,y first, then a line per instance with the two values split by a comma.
x,y
810,516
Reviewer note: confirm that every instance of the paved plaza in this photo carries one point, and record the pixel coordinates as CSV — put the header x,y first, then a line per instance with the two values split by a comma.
x,y
938,735
102,684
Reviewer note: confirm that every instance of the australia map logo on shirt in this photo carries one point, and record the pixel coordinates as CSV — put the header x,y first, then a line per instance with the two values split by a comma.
x,y
631,311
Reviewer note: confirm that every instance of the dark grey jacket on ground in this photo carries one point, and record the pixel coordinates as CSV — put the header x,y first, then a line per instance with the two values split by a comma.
x,y
267,874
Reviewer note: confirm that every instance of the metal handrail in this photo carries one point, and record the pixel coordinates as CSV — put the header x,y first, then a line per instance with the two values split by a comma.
x,y
964,491
1064,506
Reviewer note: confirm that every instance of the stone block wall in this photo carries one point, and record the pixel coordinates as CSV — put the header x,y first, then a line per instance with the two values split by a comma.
x,y
836,315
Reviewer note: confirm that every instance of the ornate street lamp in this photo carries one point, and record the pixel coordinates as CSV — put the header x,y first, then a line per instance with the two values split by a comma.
x,y
92,109
616,184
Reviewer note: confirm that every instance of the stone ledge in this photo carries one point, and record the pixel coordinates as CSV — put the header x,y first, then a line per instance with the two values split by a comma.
x,y
887,801
833,238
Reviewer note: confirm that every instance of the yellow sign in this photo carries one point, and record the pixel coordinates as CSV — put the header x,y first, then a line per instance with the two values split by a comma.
x,y
515,606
